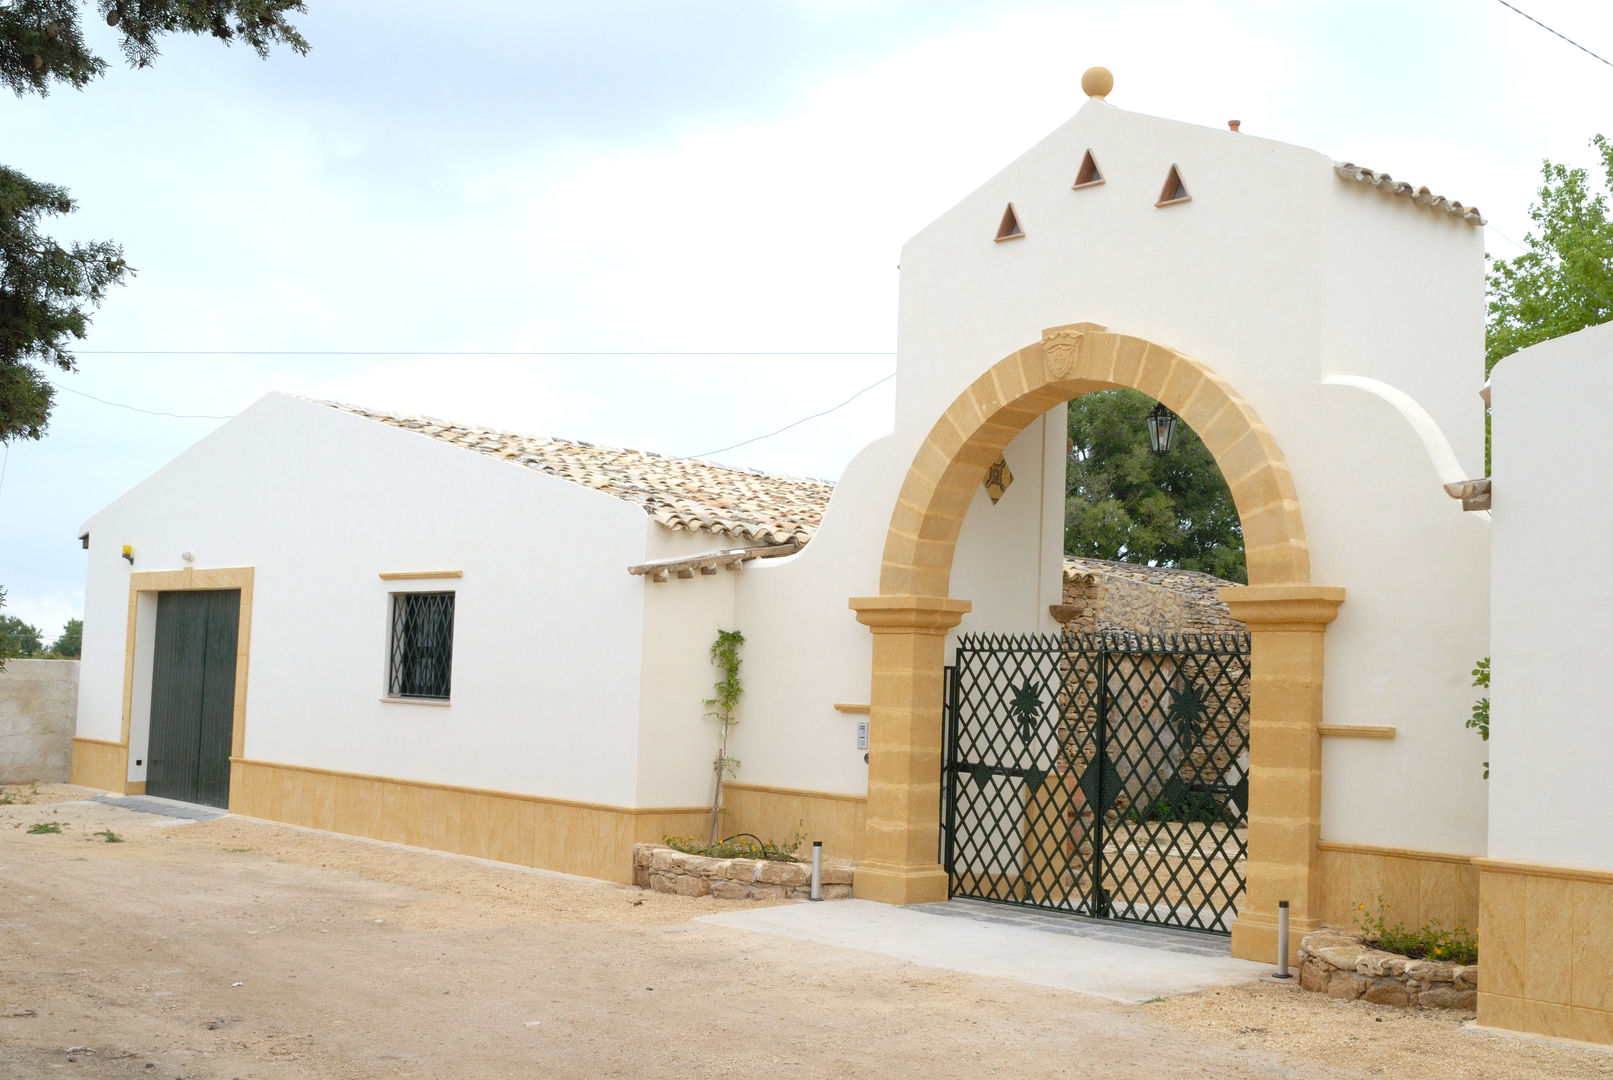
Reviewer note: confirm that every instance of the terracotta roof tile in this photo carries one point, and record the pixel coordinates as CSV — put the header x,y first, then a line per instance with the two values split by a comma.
x,y
679,493
1419,195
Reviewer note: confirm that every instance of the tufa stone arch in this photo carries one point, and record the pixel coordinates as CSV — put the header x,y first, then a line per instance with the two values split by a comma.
x,y
1285,612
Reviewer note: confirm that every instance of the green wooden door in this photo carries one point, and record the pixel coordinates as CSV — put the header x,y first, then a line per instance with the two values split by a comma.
x,y
193,696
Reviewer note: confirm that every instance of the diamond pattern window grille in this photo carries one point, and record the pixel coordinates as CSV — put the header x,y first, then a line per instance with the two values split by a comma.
x,y
1102,774
422,657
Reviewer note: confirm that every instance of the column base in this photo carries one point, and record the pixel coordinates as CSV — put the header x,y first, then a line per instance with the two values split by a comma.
x,y
891,884
1254,936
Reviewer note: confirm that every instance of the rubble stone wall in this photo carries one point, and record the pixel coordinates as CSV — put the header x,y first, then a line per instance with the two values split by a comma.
x,y
1101,595
1341,965
663,869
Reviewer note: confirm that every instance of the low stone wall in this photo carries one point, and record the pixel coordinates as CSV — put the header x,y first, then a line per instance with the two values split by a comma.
x,y
38,710
1340,964
662,869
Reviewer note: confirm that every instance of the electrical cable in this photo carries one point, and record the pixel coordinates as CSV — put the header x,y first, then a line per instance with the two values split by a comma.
x,y
136,408
708,453
429,352
801,421
1549,30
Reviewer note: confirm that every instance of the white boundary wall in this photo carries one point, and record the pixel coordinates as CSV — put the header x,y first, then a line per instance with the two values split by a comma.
x,y
1353,323
1351,320
1552,613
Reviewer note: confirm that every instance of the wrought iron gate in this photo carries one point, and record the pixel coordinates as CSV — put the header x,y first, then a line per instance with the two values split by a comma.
x,y
1101,774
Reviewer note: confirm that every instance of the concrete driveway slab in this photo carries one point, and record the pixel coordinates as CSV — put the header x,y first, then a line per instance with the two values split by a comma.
x,y
1118,961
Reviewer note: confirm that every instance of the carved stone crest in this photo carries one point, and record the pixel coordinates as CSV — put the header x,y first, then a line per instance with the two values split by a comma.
x,y
1060,350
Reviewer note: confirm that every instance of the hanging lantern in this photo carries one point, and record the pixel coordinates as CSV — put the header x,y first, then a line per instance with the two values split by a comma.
x,y
1161,428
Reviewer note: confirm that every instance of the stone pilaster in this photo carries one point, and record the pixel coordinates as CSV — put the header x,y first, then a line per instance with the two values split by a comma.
x,y
1286,625
899,863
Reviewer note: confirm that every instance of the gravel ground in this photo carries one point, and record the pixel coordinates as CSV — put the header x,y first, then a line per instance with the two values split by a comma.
x,y
236,948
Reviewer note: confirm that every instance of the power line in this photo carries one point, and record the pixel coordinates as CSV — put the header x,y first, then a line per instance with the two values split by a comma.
x,y
1549,30
445,352
708,453
136,408
801,421
1505,237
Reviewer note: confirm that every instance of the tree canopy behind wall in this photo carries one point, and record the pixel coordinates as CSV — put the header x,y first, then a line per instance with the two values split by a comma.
x,y
1124,502
1564,281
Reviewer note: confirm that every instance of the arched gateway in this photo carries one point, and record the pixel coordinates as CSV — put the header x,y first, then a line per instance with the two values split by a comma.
x,y
1286,615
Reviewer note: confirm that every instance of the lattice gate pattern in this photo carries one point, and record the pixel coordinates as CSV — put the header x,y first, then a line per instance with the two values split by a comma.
x,y
1100,774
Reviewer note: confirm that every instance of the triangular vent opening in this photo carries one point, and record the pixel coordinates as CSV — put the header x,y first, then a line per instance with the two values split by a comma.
x,y
1009,229
1088,175
1174,190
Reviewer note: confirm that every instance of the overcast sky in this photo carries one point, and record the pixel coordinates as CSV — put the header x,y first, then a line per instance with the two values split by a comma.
x,y
654,177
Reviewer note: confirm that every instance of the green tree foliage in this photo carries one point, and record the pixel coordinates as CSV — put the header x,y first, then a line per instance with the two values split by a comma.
x,y
19,639
1564,281
1123,502
71,644
47,291
7,649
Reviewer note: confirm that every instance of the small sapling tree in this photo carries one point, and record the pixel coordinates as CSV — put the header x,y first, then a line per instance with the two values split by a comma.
x,y
720,707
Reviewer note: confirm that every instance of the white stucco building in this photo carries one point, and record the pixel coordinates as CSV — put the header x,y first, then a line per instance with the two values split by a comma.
x,y
1318,324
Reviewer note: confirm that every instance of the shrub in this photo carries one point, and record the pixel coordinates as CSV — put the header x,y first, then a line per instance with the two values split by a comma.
x,y
43,828
1431,941
743,846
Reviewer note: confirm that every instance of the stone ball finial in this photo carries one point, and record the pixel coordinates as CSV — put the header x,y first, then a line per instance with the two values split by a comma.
x,y
1097,82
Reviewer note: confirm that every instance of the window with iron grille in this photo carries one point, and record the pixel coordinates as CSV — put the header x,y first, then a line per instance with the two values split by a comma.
x,y
422,656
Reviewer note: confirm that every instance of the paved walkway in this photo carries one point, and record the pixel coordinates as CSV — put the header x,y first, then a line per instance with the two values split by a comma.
x,y
1119,961
150,804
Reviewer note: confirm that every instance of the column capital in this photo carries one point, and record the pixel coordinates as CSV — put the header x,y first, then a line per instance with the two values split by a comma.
x,y
898,614
1283,607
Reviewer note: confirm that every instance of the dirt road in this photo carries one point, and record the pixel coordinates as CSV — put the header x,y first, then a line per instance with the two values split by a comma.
x,y
241,949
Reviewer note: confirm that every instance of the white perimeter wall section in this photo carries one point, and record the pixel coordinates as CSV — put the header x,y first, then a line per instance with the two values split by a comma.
x,y
547,622
1279,275
1552,609
1351,320
678,740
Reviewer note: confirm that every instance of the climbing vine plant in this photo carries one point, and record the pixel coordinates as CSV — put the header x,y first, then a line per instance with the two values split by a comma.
x,y
1480,720
720,707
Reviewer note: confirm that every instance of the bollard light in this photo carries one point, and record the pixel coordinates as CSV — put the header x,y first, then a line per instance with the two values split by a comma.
x,y
1282,941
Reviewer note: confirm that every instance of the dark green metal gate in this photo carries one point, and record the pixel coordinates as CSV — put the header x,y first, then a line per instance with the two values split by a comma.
x,y
193,696
1100,774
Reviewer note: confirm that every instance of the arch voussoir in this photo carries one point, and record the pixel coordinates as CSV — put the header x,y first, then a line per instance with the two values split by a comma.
x,y
1006,398
912,614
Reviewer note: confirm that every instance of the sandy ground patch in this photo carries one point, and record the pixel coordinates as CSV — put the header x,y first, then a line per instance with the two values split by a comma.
x,y
235,948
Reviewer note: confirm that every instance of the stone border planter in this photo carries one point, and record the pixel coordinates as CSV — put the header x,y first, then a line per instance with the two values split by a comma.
x,y
1340,964
663,869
